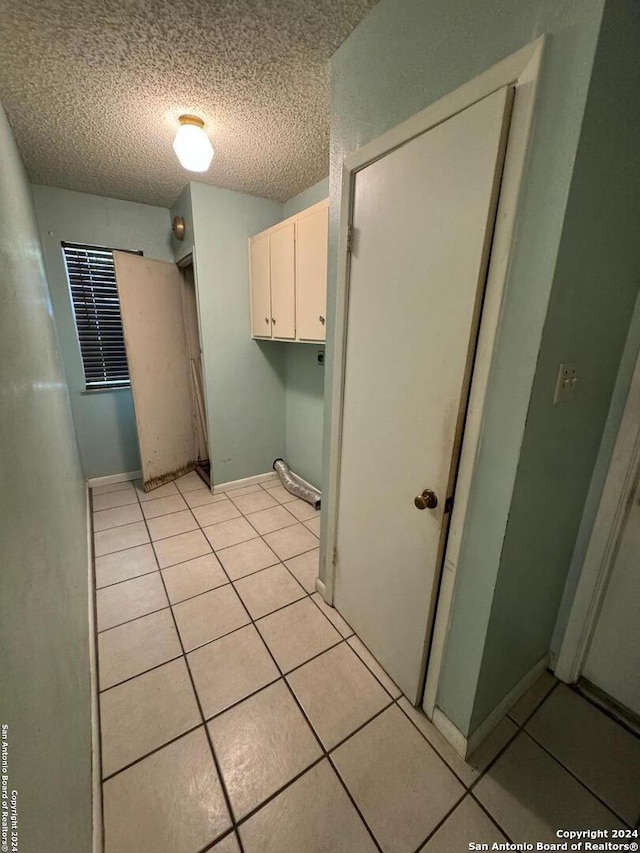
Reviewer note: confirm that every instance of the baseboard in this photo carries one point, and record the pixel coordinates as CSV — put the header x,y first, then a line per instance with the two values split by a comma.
x,y
246,481
96,767
465,745
114,478
321,588
451,732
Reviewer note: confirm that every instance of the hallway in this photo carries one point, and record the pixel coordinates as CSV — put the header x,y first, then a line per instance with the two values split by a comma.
x,y
238,708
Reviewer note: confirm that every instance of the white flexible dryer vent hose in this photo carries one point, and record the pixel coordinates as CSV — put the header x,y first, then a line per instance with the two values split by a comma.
x,y
295,485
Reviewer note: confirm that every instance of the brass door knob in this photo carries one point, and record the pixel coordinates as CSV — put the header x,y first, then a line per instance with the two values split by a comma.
x,y
427,500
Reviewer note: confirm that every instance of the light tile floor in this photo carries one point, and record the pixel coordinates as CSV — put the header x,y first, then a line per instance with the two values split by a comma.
x,y
240,713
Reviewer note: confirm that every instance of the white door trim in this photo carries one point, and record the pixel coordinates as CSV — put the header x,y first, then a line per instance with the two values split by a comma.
x,y
520,70
600,557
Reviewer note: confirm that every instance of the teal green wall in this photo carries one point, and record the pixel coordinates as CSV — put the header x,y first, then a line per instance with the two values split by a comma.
x,y
46,699
305,199
610,195
595,288
404,56
600,471
244,378
104,420
304,395
304,380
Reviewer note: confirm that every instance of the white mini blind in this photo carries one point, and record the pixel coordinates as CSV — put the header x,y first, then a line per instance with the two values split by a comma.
x,y
96,307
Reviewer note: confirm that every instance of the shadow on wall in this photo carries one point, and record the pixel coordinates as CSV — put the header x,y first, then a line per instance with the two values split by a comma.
x,y
304,403
125,432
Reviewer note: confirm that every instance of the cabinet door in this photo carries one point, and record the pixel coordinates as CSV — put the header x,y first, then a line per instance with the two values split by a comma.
x,y
311,273
283,271
260,286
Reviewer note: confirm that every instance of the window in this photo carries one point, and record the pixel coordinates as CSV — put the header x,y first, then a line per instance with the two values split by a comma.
x,y
96,308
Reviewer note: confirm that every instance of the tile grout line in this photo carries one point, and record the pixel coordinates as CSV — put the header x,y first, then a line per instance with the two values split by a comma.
x,y
579,781
97,664
486,811
536,708
468,789
133,578
182,734
226,634
324,752
151,752
134,618
301,709
440,823
283,676
522,728
144,672
216,763
245,818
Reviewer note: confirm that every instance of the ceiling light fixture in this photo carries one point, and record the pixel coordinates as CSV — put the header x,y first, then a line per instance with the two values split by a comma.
x,y
192,145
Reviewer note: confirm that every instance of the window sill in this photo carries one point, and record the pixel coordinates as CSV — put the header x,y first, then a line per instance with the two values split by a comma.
x,y
110,390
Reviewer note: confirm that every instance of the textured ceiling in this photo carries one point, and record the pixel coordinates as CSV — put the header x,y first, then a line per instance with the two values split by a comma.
x,y
93,89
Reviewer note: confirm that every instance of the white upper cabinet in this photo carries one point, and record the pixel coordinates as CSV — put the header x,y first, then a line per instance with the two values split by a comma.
x,y
311,272
282,268
288,269
260,286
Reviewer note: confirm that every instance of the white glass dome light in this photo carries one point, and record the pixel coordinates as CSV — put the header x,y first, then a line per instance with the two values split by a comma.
x,y
192,146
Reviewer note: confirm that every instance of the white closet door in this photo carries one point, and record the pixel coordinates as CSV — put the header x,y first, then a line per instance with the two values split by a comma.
x,y
150,295
283,271
423,219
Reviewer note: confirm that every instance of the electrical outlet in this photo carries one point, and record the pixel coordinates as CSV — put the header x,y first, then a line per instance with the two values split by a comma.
x,y
566,383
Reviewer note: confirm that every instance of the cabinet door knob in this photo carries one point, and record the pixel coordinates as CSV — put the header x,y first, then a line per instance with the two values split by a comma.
x,y
273,320
321,318
266,319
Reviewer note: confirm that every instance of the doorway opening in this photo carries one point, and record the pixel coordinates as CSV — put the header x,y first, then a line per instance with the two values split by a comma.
x,y
191,321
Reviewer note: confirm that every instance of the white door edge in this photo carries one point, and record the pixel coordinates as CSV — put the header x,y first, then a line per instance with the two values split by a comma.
x,y
522,71
607,529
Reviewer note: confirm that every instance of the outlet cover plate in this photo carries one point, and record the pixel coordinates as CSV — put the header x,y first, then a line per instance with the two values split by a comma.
x,y
566,383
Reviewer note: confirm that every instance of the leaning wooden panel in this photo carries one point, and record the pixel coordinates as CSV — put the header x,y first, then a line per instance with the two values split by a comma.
x,y
151,306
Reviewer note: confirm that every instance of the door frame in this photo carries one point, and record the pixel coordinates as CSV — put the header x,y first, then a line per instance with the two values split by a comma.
x,y
522,71
183,264
599,560
190,259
